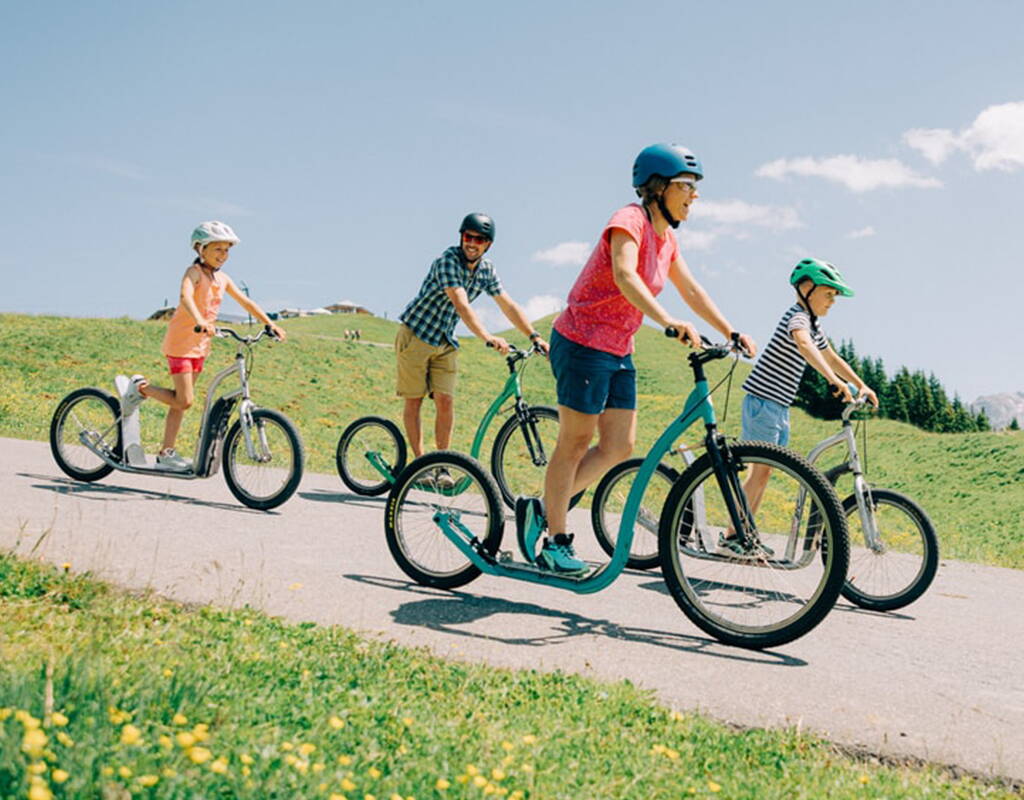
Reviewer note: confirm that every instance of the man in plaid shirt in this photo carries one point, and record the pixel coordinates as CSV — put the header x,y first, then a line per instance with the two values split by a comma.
x,y
426,345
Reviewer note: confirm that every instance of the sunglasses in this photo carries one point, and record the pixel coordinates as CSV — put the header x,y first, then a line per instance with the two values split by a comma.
x,y
474,238
689,183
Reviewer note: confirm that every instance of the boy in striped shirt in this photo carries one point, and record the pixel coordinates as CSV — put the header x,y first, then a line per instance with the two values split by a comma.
x,y
772,385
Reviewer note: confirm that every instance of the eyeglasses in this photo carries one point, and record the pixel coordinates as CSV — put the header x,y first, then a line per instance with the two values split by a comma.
x,y
689,183
474,238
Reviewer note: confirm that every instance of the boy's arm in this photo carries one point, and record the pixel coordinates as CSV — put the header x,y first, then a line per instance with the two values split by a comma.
x,y
813,356
515,314
846,372
252,307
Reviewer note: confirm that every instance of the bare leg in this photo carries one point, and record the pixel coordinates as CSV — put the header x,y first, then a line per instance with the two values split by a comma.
x,y
178,401
411,419
575,465
755,485
444,423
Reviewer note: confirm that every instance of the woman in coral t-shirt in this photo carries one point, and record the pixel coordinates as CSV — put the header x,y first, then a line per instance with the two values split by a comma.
x,y
592,342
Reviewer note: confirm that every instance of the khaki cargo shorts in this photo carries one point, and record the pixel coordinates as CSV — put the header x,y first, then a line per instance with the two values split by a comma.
x,y
423,368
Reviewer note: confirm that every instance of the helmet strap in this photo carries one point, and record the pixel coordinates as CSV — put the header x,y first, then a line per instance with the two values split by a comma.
x,y
665,212
807,306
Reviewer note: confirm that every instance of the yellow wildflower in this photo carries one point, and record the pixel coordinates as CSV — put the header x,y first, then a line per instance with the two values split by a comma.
x,y
369,797
66,566
130,735
245,758
336,796
407,721
396,796
864,779
402,750
185,739
33,742
479,781
5,713
714,787
527,768
471,770
336,722
508,761
462,778
26,719
201,732
149,780
295,587
441,784
344,760
36,768
39,791
282,645
318,766
117,717
347,785
124,772
168,672
291,759
498,774
507,746
287,746
64,739
58,719
306,748
59,776
490,788
220,766
322,787
108,771
672,754
167,772
179,719
675,716
373,772
166,742
246,772
199,755
529,739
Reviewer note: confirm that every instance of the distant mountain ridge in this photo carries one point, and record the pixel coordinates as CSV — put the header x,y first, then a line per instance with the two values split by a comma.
x,y
1002,408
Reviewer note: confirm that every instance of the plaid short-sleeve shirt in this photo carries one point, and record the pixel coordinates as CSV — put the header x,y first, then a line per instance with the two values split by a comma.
x,y
430,314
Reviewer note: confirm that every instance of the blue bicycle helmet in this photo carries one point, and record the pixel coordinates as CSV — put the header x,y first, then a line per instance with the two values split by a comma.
x,y
667,160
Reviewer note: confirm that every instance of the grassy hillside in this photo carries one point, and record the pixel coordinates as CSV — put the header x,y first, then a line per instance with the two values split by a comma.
x,y
972,485
107,695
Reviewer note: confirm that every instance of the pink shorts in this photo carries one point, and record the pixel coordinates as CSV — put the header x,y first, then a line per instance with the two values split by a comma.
x,y
180,365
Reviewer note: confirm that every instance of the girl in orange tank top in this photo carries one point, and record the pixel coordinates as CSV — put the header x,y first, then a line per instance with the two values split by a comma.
x,y
202,288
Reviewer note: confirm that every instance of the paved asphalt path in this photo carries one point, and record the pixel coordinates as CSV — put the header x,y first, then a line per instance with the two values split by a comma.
x,y
942,680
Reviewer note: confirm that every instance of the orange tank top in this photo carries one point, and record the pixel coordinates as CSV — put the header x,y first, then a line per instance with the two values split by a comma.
x,y
181,341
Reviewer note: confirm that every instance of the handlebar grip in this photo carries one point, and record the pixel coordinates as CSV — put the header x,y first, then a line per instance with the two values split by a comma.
x,y
489,344
673,333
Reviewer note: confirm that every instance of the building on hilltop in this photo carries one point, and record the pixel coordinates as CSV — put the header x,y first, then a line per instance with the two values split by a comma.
x,y
348,307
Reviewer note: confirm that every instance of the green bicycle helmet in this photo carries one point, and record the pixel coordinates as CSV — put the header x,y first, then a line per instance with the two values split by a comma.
x,y
822,274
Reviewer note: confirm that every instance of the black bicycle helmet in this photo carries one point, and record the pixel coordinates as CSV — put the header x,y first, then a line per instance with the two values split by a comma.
x,y
478,223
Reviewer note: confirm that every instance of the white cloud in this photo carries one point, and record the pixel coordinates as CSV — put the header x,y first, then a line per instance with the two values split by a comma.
x,y
738,212
566,253
861,233
995,140
541,305
693,240
854,172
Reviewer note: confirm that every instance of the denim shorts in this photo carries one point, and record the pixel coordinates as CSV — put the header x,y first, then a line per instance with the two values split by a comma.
x,y
765,421
589,380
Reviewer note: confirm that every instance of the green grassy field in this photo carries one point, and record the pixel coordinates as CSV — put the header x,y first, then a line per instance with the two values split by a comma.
x,y
972,485
108,695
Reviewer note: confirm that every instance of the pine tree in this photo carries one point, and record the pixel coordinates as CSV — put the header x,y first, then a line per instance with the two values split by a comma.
x,y
1014,425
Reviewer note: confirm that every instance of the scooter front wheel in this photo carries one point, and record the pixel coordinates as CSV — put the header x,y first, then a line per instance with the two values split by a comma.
x,y
268,480
91,414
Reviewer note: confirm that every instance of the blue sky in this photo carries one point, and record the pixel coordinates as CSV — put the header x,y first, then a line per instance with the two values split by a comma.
x,y
345,141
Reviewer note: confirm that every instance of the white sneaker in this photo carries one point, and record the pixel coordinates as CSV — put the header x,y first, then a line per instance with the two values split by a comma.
x,y
171,460
131,397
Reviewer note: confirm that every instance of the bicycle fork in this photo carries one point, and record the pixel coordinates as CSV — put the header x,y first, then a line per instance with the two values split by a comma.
x,y
528,425
727,470
258,450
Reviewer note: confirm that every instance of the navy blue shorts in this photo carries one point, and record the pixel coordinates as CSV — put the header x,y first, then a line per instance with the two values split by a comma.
x,y
589,380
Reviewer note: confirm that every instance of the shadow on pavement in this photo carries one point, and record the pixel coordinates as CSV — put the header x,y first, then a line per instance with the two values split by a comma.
x,y
841,605
101,491
442,610
325,496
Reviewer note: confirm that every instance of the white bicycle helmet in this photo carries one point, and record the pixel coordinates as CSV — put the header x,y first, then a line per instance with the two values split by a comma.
x,y
212,231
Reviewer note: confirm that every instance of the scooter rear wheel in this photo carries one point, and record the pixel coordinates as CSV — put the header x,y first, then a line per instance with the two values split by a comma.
x,y
87,412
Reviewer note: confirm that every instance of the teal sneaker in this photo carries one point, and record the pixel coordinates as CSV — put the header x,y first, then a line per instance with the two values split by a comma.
x,y
558,555
529,524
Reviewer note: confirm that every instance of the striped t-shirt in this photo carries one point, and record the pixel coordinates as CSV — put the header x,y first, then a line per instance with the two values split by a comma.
x,y
777,373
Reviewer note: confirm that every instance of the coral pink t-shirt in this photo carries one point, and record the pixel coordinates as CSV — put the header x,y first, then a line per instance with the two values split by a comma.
x,y
598,315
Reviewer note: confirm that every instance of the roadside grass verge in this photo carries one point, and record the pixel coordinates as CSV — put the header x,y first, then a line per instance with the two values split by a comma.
x,y
106,694
972,485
